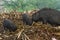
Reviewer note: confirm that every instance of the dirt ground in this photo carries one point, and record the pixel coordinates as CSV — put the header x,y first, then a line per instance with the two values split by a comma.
x,y
37,31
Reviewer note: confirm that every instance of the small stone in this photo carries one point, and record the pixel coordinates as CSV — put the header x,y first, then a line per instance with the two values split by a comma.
x,y
54,38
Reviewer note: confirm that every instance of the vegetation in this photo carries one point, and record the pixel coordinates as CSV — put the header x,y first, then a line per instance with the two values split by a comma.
x,y
38,30
23,5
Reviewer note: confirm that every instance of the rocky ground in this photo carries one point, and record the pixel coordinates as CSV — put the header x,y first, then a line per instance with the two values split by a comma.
x,y
37,31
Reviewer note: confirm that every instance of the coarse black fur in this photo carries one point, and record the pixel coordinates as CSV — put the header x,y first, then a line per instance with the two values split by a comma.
x,y
47,15
26,19
8,24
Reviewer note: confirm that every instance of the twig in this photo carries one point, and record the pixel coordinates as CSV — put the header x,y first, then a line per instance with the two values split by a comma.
x,y
19,34
26,36
56,33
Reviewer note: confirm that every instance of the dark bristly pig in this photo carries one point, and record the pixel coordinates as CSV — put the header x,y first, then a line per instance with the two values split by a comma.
x,y
26,19
47,15
8,24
